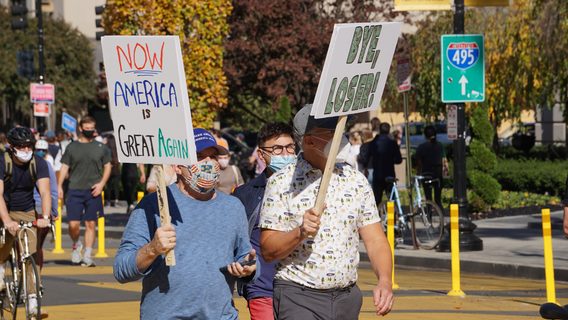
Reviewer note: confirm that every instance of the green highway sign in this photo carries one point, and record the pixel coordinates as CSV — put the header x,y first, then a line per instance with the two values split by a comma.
x,y
463,68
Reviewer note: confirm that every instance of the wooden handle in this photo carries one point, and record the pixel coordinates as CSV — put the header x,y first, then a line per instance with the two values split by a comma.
x,y
330,164
165,218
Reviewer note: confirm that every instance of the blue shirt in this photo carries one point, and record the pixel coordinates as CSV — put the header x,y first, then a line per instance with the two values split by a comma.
x,y
54,194
251,195
209,235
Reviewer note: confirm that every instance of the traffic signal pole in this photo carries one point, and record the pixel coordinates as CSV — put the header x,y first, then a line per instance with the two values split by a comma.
x,y
41,67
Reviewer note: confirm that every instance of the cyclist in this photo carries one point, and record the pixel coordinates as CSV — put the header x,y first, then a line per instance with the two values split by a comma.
x,y
19,170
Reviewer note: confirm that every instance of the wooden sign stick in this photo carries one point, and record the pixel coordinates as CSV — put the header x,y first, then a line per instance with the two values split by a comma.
x,y
330,163
165,218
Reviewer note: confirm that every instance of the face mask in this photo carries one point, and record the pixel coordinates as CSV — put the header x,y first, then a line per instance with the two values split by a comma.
x,y
203,176
89,134
342,154
223,163
24,156
279,162
40,153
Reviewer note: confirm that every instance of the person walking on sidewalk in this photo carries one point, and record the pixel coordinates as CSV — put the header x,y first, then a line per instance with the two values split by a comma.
x,y
277,148
431,160
384,153
42,151
209,233
319,251
20,170
88,163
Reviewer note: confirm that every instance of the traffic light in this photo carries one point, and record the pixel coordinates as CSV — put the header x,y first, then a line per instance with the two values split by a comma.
x,y
19,15
99,22
25,59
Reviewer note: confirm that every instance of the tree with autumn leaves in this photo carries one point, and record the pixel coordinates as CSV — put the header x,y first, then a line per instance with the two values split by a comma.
x,y
277,48
201,26
525,50
272,56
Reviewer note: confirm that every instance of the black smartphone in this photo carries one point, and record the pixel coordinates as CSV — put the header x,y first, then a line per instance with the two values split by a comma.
x,y
243,263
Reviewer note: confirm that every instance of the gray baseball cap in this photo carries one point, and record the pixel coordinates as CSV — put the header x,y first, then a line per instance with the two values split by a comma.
x,y
304,122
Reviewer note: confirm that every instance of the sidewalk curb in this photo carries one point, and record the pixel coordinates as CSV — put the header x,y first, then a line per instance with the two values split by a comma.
x,y
496,269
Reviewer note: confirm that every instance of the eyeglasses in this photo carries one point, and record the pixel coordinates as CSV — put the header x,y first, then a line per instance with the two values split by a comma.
x,y
278,149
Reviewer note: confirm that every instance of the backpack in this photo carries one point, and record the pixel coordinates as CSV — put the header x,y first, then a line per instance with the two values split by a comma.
x,y
8,167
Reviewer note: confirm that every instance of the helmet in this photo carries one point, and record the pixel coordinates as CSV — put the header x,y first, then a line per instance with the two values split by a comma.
x,y
21,136
41,145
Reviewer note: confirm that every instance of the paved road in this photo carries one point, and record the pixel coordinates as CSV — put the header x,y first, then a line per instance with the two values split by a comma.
x,y
74,292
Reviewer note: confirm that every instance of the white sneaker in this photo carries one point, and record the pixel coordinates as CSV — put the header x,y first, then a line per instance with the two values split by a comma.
x,y
76,254
32,305
87,262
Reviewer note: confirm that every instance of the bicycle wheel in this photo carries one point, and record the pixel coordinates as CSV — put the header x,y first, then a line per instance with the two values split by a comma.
x,y
9,294
428,224
30,286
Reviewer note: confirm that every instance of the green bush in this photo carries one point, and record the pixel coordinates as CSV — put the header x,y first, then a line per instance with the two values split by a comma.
x,y
542,177
484,160
485,186
481,126
544,152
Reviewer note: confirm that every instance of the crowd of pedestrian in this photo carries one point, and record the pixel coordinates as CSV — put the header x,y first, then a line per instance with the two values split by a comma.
x,y
261,235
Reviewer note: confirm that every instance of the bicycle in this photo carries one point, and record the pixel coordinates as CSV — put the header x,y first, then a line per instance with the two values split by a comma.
x,y
21,276
425,219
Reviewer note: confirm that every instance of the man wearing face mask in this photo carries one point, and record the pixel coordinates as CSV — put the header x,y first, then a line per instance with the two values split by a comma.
x,y
17,183
277,148
88,163
230,176
209,232
319,251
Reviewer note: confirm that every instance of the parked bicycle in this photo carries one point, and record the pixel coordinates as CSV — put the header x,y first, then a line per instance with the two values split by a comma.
x,y
22,280
424,218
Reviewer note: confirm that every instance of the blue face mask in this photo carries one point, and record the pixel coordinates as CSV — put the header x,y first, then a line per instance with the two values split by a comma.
x,y
279,162
40,153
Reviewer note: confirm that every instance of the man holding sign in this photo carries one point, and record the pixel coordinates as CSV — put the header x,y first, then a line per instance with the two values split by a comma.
x,y
316,277
209,231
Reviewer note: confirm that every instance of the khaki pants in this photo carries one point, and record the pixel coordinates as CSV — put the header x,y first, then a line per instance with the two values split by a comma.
x,y
9,241
32,244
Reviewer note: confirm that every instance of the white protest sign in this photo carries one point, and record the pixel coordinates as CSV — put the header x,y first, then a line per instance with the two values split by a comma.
x,y
148,99
356,68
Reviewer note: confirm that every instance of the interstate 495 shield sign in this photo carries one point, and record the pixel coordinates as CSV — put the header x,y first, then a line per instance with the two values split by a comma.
x,y
463,68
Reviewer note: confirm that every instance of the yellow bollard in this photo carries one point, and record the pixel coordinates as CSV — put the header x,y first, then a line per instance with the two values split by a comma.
x,y
101,235
548,257
58,248
390,236
103,197
140,196
455,245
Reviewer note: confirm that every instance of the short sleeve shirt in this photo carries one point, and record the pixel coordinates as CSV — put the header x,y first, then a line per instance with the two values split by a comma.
x,y
19,193
330,259
86,163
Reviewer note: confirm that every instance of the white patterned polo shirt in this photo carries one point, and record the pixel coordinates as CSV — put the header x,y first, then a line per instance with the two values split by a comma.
x,y
330,259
